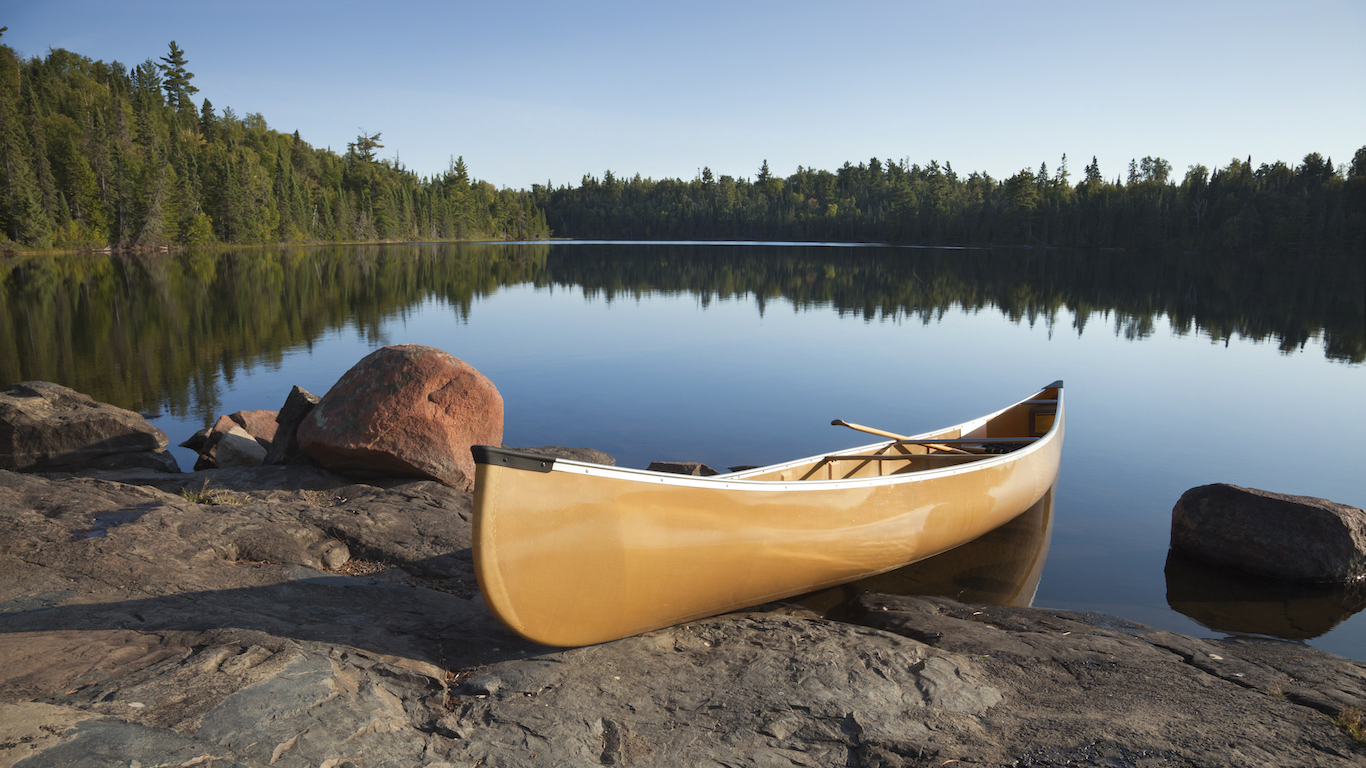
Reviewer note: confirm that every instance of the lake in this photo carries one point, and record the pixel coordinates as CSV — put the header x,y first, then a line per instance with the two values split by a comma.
x,y
1180,370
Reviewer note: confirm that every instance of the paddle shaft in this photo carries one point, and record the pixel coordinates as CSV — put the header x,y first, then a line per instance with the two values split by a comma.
x,y
892,435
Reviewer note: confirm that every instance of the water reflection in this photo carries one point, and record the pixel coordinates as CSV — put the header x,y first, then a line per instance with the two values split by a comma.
x,y
1001,567
1227,600
169,331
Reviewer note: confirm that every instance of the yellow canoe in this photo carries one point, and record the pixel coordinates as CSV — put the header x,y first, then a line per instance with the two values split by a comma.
x,y
572,553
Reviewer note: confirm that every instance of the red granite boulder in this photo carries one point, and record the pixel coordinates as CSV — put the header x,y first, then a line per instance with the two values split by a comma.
x,y
406,410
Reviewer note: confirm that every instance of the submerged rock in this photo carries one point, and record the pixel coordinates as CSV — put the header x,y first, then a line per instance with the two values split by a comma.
x,y
1301,538
406,410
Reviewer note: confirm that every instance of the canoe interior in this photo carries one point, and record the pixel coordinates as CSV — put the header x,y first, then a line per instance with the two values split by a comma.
x,y
1008,429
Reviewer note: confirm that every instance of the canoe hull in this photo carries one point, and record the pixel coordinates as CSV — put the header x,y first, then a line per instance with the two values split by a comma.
x,y
583,554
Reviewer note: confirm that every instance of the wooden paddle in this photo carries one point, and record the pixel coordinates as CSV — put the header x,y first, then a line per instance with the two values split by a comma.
x,y
892,435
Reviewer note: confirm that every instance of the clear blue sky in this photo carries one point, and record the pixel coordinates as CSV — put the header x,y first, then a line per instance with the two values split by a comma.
x,y
548,91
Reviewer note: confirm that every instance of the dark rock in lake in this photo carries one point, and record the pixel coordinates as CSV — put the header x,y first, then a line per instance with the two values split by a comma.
x,y
45,427
1301,538
589,455
284,448
406,410
198,440
695,468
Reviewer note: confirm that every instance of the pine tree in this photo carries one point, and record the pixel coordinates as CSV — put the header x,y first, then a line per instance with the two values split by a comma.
x,y
177,80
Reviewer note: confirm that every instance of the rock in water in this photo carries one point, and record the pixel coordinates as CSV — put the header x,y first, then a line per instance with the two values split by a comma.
x,y
238,448
284,448
45,427
259,426
590,455
406,410
696,468
1301,538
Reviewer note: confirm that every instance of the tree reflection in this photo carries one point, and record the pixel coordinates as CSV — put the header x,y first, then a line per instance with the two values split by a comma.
x,y
154,332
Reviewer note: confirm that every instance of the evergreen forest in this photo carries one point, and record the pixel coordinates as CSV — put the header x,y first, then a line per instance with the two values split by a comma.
x,y
96,155
1310,208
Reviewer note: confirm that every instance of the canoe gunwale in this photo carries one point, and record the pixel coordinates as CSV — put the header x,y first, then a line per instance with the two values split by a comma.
x,y
738,481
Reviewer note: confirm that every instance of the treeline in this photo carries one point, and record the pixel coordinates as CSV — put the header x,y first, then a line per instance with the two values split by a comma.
x,y
1308,208
95,155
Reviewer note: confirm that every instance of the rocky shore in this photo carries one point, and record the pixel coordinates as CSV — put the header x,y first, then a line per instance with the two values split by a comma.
x,y
289,616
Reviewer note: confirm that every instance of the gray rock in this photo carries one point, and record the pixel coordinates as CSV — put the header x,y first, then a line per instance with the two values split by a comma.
x,y
46,427
1301,538
259,426
237,448
198,441
696,468
589,455
284,449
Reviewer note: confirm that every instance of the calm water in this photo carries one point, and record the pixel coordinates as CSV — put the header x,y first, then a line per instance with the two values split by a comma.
x,y
1246,372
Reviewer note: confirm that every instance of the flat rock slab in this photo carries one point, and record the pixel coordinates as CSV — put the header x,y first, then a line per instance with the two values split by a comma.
x,y
138,626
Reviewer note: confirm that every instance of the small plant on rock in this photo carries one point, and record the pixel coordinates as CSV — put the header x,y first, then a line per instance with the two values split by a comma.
x,y
206,495
1350,720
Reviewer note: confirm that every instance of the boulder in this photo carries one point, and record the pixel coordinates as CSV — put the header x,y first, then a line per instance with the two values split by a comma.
x,y
590,455
1301,538
45,427
284,448
259,426
208,446
238,448
405,410
198,440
